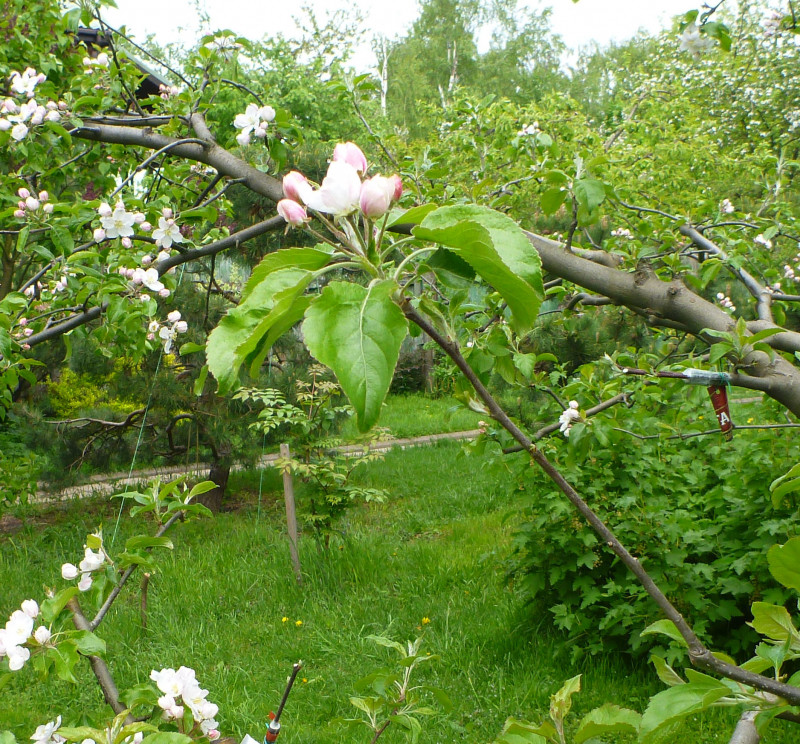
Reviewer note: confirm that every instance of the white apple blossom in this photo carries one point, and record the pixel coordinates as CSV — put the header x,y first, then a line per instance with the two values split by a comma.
x,y
30,608
25,82
19,131
167,233
46,734
119,224
254,120
339,193
85,583
17,656
91,560
693,41
42,635
761,240
69,571
569,416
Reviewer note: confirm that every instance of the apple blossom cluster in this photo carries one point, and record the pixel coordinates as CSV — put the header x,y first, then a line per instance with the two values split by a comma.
x,y
46,733
181,690
32,205
570,415
101,60
622,232
792,272
25,82
167,91
92,561
18,631
168,333
726,301
149,278
118,223
694,42
19,118
726,207
529,130
761,240
255,121
342,191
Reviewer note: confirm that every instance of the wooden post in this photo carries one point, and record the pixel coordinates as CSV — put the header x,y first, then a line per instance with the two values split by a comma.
x,y
291,515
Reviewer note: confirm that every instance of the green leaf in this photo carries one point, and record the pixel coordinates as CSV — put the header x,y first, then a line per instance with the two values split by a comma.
x,y
6,737
201,488
222,348
674,703
775,622
141,694
51,608
520,732
357,332
784,563
412,216
307,259
561,702
167,737
200,382
143,541
62,240
551,200
787,483
65,658
667,628
590,193
665,672
497,248
89,644
607,719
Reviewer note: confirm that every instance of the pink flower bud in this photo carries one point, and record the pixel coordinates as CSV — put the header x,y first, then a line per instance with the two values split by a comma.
x,y
32,203
43,196
351,153
26,347
138,218
5,125
292,212
181,326
99,235
28,332
23,322
126,242
62,105
51,105
19,214
145,227
166,212
48,208
21,204
104,210
174,316
376,196
23,193
294,184
147,260
163,292
398,186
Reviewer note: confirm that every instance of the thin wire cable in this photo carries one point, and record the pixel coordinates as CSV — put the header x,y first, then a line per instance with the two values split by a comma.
x,y
141,428
138,442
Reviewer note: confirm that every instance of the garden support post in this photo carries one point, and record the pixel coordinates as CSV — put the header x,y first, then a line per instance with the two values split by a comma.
x,y
291,515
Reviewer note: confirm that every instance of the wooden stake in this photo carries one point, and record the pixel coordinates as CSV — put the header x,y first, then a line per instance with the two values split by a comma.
x,y
291,515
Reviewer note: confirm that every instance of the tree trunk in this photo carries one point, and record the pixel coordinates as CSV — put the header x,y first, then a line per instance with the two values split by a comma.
x,y
218,474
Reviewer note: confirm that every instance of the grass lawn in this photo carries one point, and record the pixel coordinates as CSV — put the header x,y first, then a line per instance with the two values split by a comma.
x,y
436,549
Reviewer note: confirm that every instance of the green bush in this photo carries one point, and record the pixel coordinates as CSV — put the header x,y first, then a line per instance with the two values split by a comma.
x,y
696,512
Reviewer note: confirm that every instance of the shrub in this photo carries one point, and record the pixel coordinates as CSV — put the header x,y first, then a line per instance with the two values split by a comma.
x,y
696,512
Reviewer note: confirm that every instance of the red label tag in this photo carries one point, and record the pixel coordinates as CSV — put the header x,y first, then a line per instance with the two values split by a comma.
x,y
719,399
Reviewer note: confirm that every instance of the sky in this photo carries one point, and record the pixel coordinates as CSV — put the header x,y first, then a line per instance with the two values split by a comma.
x,y
578,24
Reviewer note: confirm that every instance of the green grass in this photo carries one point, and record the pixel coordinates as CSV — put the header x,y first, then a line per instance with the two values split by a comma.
x,y
436,549
417,415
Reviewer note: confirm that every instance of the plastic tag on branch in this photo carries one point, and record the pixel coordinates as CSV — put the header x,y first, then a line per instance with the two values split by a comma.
x,y
249,740
705,377
719,399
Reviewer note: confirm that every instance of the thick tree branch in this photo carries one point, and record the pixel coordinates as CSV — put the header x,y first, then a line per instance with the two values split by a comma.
x,y
671,302
210,153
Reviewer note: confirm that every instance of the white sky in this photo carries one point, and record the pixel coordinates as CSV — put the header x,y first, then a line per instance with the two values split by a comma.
x,y
577,23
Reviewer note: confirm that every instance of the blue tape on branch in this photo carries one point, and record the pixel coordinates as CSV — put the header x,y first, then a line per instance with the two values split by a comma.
x,y
706,377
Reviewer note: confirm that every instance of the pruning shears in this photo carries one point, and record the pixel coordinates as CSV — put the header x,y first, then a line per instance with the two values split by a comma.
x,y
274,725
